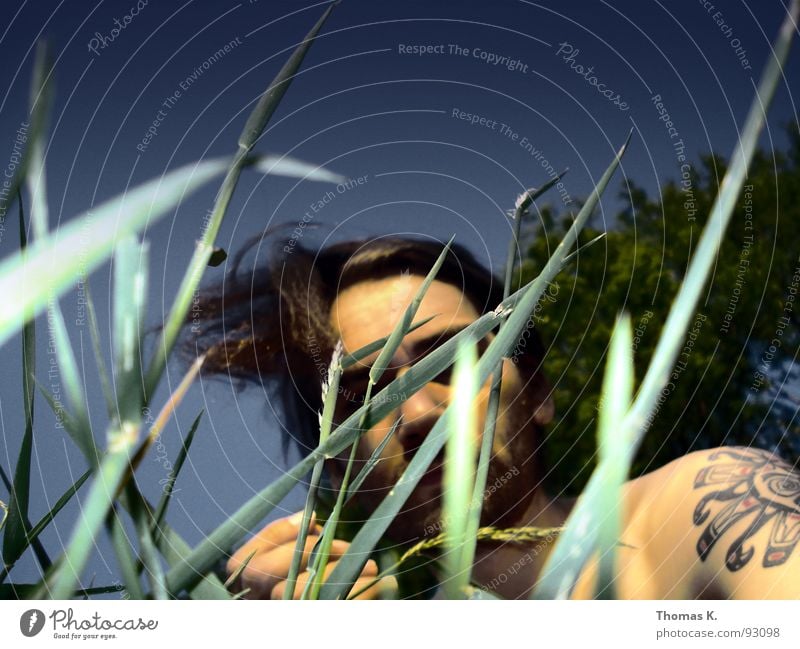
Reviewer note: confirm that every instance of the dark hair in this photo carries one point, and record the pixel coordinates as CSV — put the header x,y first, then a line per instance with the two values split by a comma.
x,y
273,321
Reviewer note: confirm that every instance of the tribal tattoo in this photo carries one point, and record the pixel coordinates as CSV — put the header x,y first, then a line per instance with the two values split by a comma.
x,y
757,487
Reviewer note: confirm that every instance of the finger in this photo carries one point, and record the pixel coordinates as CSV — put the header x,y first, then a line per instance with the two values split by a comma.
x,y
266,570
386,588
369,573
276,533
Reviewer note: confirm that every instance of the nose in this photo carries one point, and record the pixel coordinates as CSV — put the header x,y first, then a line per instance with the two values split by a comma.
x,y
420,412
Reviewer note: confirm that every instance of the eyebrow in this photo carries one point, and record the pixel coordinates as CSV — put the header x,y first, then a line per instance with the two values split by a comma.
x,y
420,349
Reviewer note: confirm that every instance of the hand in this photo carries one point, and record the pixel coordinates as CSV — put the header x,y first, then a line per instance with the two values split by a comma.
x,y
266,572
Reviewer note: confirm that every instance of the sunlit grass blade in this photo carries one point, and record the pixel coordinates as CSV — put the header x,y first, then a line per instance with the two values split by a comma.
x,y
459,473
80,427
349,566
253,128
614,443
556,582
50,266
330,391
130,293
94,333
130,282
169,485
482,469
683,306
524,201
614,448
36,182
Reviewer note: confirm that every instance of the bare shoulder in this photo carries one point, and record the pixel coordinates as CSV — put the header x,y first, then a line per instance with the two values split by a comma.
x,y
735,510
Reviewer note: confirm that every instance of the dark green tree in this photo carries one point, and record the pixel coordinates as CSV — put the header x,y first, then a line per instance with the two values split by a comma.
x,y
736,381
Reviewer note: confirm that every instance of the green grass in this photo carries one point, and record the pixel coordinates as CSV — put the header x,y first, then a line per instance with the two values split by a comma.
x,y
171,567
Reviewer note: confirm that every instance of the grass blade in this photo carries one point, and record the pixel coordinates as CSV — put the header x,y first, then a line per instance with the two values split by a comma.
x,y
373,460
403,326
349,566
273,95
614,442
166,492
371,348
105,485
70,377
125,554
235,574
27,281
174,548
330,391
459,473
375,373
15,539
80,428
167,411
254,126
222,540
130,279
94,332
37,529
39,103
150,559
130,291
614,447
523,202
559,582
282,165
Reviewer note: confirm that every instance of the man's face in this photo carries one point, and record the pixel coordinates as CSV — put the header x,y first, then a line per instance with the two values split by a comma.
x,y
370,310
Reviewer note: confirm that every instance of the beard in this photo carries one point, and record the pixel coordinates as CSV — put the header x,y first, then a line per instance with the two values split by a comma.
x,y
510,481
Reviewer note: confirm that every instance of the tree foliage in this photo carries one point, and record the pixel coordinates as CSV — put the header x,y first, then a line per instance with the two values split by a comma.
x,y
736,381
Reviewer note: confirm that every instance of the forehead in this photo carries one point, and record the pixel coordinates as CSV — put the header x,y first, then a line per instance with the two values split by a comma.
x,y
370,309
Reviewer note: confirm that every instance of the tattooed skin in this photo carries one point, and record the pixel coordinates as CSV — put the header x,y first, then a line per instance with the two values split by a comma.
x,y
758,488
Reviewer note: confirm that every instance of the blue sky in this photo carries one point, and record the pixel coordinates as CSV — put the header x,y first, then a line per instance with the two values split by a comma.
x,y
446,110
